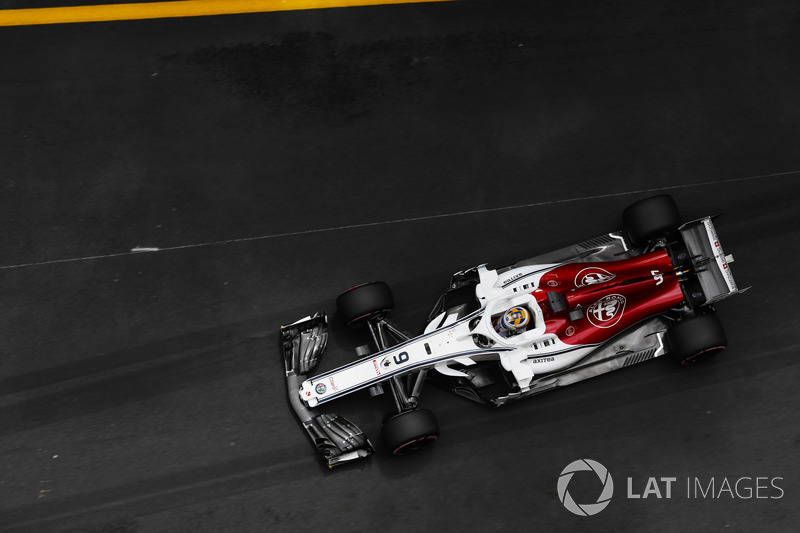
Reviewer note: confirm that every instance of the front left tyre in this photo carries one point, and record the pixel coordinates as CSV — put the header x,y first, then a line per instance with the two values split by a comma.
x,y
651,218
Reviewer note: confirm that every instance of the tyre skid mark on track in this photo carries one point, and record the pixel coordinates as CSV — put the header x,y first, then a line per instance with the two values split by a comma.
x,y
182,489
657,384
103,392
193,487
153,250
225,337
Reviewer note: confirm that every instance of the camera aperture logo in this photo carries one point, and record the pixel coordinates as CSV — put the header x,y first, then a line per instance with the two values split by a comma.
x,y
585,509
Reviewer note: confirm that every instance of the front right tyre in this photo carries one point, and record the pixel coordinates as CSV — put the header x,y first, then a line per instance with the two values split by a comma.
x,y
410,431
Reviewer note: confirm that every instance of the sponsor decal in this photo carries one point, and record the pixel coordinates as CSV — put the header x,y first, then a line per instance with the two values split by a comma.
x,y
552,283
377,368
570,331
606,311
320,388
333,384
514,277
543,360
585,509
593,276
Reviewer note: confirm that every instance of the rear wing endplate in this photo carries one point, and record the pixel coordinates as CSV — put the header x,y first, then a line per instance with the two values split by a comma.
x,y
711,264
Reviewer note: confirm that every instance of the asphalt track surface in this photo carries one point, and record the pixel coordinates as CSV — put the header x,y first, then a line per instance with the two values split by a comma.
x,y
277,159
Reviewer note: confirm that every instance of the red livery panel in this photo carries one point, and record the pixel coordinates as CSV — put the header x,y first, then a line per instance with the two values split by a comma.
x,y
613,296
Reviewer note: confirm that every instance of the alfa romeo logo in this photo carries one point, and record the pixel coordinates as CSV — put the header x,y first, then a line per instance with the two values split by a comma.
x,y
606,311
593,276
585,509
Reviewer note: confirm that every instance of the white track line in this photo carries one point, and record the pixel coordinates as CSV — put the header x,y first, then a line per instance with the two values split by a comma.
x,y
138,250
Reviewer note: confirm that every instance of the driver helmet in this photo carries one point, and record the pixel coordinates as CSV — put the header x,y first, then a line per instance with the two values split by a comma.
x,y
515,318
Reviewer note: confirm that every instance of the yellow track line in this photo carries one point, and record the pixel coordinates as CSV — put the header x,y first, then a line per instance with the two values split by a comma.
x,y
182,8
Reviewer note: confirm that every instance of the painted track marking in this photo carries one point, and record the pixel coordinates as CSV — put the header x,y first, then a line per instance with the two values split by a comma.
x,y
138,250
176,8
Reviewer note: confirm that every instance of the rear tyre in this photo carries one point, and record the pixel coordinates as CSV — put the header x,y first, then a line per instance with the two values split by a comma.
x,y
696,338
363,302
651,218
410,431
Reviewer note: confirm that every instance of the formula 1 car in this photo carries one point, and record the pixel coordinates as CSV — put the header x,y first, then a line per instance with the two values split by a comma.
x,y
499,335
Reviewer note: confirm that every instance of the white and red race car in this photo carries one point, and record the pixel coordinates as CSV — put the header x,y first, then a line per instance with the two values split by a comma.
x,y
498,335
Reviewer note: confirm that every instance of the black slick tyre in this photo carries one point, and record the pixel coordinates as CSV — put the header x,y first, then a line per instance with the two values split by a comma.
x,y
410,431
697,338
651,218
363,302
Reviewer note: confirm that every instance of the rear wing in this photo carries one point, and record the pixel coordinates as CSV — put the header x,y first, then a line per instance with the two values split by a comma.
x,y
711,264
